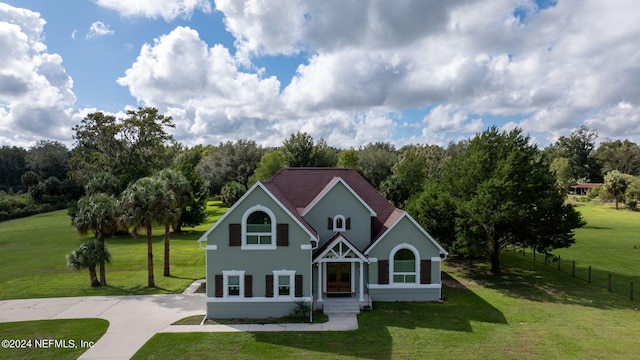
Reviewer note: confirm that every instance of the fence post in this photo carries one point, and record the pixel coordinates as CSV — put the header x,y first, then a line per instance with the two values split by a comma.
x,y
534,254
589,274
609,282
523,250
573,269
631,290
558,262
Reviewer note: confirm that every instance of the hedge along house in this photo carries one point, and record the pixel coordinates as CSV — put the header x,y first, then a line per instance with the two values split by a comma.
x,y
312,234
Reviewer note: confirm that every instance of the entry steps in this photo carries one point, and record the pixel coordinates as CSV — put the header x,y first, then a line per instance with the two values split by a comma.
x,y
341,307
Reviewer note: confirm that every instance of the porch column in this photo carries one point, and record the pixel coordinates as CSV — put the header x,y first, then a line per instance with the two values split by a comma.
x,y
361,281
320,281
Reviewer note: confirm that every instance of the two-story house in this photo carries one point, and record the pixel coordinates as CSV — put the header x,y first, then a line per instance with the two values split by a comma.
x,y
310,234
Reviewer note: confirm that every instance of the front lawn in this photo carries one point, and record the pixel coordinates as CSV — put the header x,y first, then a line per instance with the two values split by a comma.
x,y
532,311
70,338
33,249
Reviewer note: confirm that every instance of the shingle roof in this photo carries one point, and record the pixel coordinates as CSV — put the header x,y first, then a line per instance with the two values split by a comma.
x,y
296,188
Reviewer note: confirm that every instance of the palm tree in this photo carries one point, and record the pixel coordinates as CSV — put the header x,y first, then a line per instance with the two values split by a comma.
x,y
144,202
181,189
87,256
96,213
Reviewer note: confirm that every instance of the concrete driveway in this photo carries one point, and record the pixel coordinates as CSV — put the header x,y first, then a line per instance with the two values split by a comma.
x,y
133,320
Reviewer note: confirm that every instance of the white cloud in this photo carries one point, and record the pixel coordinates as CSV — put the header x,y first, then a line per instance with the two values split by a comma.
x,y
98,29
169,10
35,90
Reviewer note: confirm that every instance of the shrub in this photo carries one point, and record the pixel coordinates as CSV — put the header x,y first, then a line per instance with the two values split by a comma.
x,y
232,192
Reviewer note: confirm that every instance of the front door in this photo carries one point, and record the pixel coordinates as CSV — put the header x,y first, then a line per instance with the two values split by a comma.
x,y
339,277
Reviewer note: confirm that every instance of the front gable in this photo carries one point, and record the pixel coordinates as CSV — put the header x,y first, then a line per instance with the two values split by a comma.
x,y
338,203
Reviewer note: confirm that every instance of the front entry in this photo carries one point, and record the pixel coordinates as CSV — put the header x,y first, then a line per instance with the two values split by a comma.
x,y
338,277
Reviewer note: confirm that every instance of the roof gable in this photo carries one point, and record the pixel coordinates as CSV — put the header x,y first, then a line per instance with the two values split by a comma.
x,y
296,217
345,248
406,215
332,184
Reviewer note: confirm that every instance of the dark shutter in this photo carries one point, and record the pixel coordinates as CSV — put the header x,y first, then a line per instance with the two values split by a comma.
x,y
425,271
329,224
282,235
383,271
269,286
348,223
298,285
235,234
218,285
248,286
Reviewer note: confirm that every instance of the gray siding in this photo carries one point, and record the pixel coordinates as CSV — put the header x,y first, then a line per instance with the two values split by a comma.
x,y
340,201
404,294
252,310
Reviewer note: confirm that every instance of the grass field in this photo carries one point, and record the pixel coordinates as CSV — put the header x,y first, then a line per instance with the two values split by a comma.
x,y
76,334
531,312
33,249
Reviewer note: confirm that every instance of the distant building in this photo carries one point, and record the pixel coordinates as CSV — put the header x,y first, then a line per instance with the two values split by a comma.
x,y
581,189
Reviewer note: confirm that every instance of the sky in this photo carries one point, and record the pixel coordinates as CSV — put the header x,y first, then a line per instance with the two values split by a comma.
x,y
349,71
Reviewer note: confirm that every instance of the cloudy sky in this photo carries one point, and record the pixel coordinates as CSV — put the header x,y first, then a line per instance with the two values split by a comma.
x,y
349,71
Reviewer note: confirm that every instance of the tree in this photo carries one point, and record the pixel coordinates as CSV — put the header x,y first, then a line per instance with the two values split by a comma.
x,y
348,159
376,161
561,168
29,179
230,162
98,147
623,156
103,182
299,151
232,192
144,136
195,213
144,202
49,158
269,165
183,193
579,148
502,194
12,166
96,213
87,256
615,183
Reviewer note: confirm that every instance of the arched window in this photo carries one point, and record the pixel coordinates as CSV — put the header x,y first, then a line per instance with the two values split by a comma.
x,y
339,223
404,268
259,228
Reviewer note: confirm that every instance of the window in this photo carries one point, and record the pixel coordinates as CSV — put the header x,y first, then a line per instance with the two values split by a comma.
x,y
284,284
340,223
258,229
233,283
404,266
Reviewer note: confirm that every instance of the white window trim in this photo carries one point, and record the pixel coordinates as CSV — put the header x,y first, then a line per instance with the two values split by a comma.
x,y
335,223
245,217
392,255
225,283
292,283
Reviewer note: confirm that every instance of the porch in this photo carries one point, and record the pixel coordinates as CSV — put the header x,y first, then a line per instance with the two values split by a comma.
x,y
343,304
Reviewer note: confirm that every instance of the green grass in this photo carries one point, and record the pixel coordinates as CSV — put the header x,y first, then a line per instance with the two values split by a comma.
x,y
609,243
33,249
532,311
72,336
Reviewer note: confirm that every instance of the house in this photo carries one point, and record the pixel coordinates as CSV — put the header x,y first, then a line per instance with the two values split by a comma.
x,y
310,235
582,189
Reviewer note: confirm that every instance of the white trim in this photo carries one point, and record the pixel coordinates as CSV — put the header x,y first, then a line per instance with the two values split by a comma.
x,y
244,235
292,283
406,214
416,256
225,283
328,188
407,286
330,246
373,260
335,223
282,299
306,247
212,247
312,237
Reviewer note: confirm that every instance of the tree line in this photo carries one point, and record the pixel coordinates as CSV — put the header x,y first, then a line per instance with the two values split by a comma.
x,y
475,196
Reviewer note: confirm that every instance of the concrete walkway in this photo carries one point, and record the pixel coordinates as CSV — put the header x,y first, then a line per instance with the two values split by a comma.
x,y
133,320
